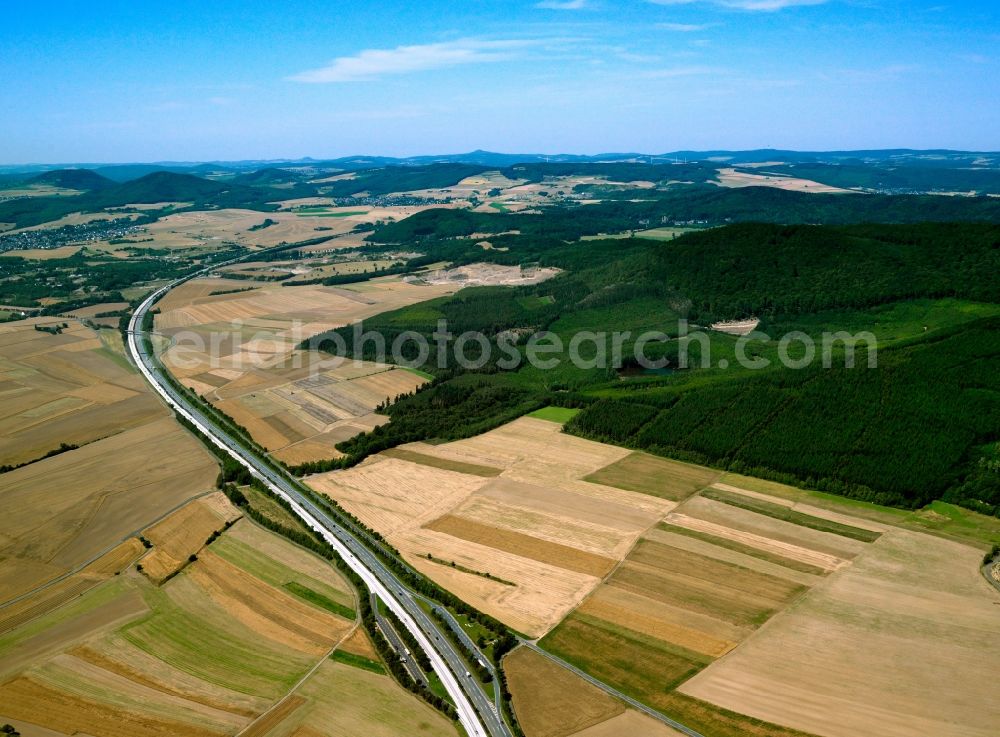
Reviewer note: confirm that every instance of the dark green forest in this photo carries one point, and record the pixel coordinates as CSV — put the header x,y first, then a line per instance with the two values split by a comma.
x,y
706,205
923,425
923,179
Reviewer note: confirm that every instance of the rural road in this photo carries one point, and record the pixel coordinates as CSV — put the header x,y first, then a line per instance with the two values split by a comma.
x,y
475,710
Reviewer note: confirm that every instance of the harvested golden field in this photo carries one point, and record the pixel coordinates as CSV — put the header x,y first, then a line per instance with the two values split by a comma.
x,y
819,548
344,701
393,495
203,654
69,713
511,503
66,388
525,546
724,549
703,585
735,178
42,254
184,533
550,701
94,497
358,643
240,351
630,722
666,622
76,218
47,598
696,587
212,229
670,612
750,613
834,664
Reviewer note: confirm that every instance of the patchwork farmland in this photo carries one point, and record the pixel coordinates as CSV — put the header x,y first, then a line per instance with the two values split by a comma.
x,y
133,464
238,349
515,498
553,702
681,587
201,638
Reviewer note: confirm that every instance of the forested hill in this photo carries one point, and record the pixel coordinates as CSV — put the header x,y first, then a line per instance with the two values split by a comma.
x,y
159,186
924,424
706,204
83,179
760,270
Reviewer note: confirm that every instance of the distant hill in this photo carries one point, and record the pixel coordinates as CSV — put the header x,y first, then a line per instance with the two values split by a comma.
x,y
127,172
404,179
165,186
901,178
159,186
268,177
84,179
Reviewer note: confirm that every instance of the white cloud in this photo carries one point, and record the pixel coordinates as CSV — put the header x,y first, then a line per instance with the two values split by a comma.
x,y
672,72
752,5
769,5
684,27
371,64
562,4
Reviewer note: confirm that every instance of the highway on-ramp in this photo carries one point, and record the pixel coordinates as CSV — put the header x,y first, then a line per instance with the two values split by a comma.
x,y
476,712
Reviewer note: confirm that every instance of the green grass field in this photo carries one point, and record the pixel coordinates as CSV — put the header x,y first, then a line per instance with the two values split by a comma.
x,y
655,476
358,661
196,636
307,594
274,572
562,415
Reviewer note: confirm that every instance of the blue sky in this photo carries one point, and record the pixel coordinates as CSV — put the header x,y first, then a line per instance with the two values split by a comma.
x,y
122,81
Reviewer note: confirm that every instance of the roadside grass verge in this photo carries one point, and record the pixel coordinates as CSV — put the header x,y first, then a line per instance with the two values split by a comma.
x,y
358,661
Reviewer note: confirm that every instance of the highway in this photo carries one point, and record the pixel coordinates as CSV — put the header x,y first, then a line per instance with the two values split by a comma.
x,y
476,712
464,638
389,632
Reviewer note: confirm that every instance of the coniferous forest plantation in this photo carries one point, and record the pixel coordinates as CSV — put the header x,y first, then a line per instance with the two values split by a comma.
x,y
921,426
